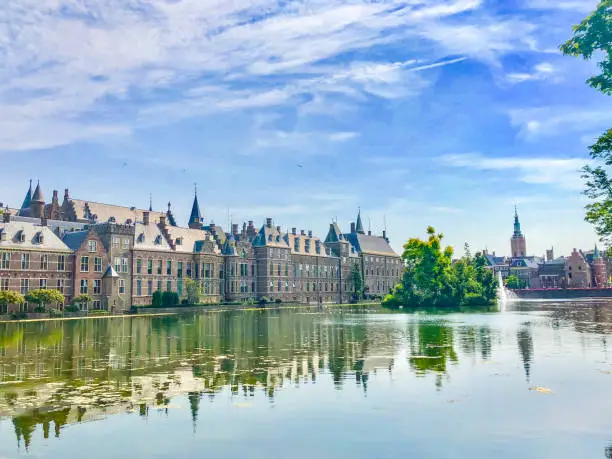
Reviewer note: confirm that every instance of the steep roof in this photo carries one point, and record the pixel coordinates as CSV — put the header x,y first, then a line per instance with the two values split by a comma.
x,y
373,245
31,237
37,196
185,239
28,198
270,236
334,234
104,212
229,248
195,216
307,245
110,272
74,239
359,227
150,237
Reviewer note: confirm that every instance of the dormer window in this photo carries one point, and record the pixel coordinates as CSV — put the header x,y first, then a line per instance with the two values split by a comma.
x,y
141,237
270,238
2,235
40,238
158,239
21,236
179,241
111,220
307,245
296,245
277,238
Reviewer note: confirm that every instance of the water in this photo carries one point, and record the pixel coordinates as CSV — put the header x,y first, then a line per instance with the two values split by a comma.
x,y
533,381
504,295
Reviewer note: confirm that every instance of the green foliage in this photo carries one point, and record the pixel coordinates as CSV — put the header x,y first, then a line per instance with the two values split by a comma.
x,y
593,36
45,296
82,298
194,292
264,300
11,297
278,301
431,279
72,308
157,298
170,298
357,281
513,282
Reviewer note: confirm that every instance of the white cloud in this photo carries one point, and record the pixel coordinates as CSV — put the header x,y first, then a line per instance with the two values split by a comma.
x,y
562,173
549,121
583,6
542,71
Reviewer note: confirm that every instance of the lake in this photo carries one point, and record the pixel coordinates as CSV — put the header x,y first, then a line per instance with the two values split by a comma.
x,y
533,381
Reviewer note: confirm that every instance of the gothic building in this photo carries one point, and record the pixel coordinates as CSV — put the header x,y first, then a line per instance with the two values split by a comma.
x,y
120,255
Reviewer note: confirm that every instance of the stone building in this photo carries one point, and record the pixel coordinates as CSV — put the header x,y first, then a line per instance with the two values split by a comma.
x,y
577,271
599,269
518,244
121,255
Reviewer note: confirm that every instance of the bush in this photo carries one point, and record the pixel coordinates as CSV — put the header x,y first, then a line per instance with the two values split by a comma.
x,y
474,299
19,315
157,298
40,309
185,302
278,300
390,301
264,300
55,313
72,308
170,299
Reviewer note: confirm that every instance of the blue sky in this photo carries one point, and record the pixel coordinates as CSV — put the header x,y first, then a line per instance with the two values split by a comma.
x,y
422,112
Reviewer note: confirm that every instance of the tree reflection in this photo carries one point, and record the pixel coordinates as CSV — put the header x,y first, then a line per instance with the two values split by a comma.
x,y
524,340
432,349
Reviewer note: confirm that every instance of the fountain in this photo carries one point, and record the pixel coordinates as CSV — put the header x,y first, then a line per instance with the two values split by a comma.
x,y
504,295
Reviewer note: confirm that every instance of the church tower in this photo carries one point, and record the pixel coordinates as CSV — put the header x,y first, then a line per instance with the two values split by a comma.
x,y
518,246
195,219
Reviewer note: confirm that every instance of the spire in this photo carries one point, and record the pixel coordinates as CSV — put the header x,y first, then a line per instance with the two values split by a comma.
x,y
596,254
170,217
150,202
195,219
517,224
28,198
359,227
37,196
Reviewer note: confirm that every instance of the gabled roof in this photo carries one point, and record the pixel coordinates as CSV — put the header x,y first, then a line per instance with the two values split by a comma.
x,y
196,216
150,237
88,209
334,234
31,234
229,248
75,239
270,236
373,245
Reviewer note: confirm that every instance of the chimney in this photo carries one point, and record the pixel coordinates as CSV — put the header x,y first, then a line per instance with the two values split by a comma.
x,y
55,198
145,217
369,233
309,233
213,228
235,229
293,231
6,217
352,227
278,229
250,223
66,194
385,235
302,233
269,222
162,220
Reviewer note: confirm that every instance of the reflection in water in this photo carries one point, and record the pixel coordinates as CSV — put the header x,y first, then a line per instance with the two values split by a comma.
x,y
53,374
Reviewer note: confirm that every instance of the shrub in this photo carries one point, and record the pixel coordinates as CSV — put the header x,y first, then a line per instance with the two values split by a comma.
x,y
170,299
19,315
11,297
72,308
278,300
185,302
55,313
157,298
264,300
390,301
475,299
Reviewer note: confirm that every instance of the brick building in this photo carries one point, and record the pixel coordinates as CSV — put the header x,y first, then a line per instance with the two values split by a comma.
x,y
121,255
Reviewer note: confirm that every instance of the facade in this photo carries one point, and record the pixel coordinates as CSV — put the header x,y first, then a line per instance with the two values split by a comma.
x,y
121,255
577,271
518,244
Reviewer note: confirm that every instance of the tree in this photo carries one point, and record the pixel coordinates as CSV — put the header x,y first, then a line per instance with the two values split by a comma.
x,y
594,36
10,297
194,292
42,297
157,298
357,281
512,282
170,298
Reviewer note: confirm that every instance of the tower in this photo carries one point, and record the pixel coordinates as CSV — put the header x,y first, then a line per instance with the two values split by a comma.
x,y
195,219
37,206
359,228
518,246
599,269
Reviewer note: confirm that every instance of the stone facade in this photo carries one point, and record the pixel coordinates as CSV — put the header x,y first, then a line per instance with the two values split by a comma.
x,y
121,255
577,271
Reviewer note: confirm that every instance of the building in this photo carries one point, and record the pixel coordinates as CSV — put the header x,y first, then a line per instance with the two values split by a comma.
x,y
577,271
518,244
121,255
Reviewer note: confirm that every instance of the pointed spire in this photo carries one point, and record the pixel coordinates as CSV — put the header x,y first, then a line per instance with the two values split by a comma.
x,y
596,254
150,202
359,227
517,224
28,198
37,196
195,219
170,217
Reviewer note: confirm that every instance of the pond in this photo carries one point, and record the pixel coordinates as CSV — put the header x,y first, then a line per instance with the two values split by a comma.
x,y
532,381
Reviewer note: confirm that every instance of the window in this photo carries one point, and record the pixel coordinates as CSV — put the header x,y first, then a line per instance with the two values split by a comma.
x,y
138,287
188,269
271,253
169,286
84,264
5,260
286,286
61,262
149,266
253,270
286,269
271,269
25,261
44,262
207,270
84,286
115,241
98,264
124,265
43,284
253,287
169,267
179,269
4,284
96,286
24,286
126,244
159,267
159,283
92,246
97,305
60,285
179,287
138,266
118,264
278,269
150,287
121,286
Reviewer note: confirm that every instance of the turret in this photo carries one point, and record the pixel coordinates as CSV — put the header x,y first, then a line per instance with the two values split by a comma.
x,y
37,206
195,219
359,227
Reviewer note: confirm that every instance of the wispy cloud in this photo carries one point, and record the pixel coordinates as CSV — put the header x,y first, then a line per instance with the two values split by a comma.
x,y
549,121
562,173
542,71
583,6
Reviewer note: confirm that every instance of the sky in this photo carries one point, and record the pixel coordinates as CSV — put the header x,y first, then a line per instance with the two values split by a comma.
x,y
419,112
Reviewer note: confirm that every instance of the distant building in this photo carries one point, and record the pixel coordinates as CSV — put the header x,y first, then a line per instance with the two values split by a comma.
x,y
518,244
577,271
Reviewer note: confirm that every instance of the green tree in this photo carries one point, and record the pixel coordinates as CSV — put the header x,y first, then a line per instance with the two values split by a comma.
x,y
357,281
42,297
157,298
593,36
170,298
513,282
194,292
10,297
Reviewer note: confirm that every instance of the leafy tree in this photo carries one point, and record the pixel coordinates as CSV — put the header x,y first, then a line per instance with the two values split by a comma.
x,y
194,292
513,282
82,298
157,298
170,298
42,297
10,297
594,36
357,281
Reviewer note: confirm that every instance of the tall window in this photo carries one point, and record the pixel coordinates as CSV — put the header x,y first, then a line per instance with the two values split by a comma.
x,y
149,266
96,286
84,286
179,272
169,267
138,266
179,286
118,264
124,265
149,287
92,246
115,241
121,286
60,285
44,262
43,284
84,264
61,262
188,269
138,287
25,261
207,271
159,267
24,286
169,286
4,284
5,260
159,283
98,264
271,269
126,244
